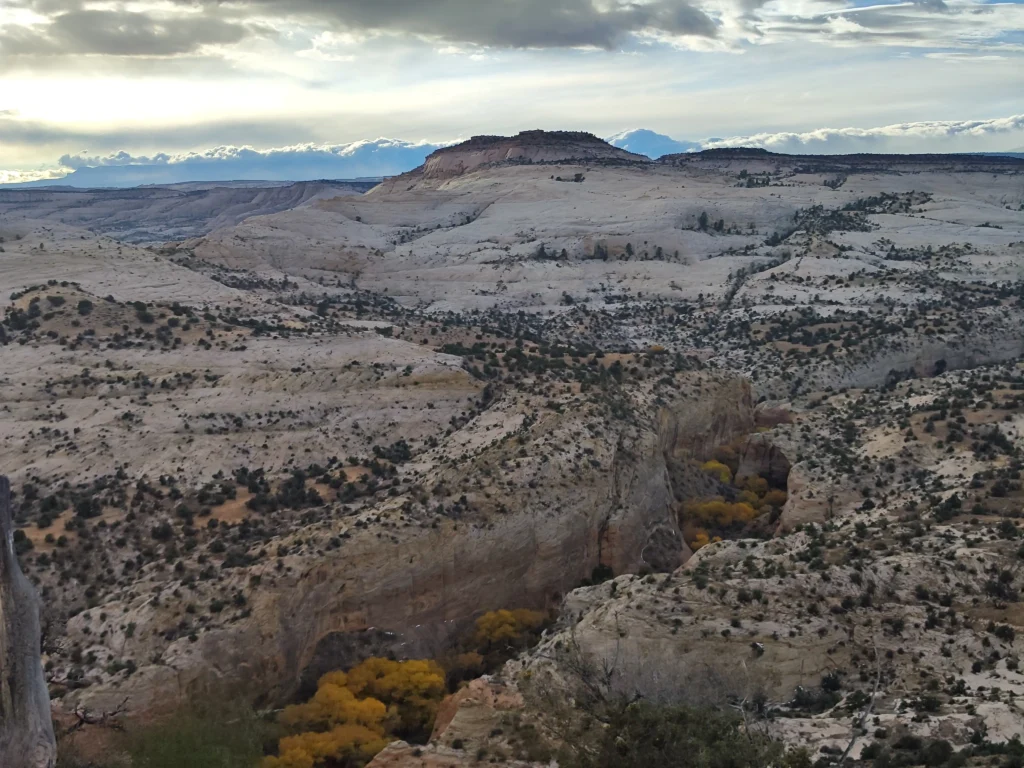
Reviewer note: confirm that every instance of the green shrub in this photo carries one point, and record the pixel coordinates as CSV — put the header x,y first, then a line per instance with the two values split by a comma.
x,y
218,736
646,736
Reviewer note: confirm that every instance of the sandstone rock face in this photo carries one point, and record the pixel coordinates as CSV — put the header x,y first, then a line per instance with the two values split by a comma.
x,y
760,456
917,357
472,718
808,502
420,586
26,730
725,411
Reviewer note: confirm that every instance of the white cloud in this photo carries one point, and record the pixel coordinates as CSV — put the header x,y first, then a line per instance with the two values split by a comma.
x,y
359,159
923,136
227,153
20,177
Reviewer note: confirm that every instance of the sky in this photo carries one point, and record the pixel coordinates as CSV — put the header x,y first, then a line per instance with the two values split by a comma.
x,y
91,81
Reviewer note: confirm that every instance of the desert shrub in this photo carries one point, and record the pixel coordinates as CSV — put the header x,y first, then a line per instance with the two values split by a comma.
x,y
647,736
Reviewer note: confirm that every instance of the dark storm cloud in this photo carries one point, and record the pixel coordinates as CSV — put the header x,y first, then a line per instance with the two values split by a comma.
x,y
499,23
119,33
506,23
510,24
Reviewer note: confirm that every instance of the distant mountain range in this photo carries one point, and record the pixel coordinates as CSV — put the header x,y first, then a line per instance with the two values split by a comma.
x,y
358,160
355,161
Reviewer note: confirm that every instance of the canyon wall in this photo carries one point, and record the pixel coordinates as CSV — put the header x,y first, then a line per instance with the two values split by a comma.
x,y
413,592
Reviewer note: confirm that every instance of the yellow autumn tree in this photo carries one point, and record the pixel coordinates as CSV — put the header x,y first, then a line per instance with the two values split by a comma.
x,y
334,703
753,483
727,454
353,714
347,745
718,470
718,513
411,690
506,627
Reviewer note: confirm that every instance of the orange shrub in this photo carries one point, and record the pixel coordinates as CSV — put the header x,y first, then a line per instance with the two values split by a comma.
x,y
700,539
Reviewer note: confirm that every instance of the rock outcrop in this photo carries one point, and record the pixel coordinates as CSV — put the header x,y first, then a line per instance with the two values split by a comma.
x,y
26,729
526,147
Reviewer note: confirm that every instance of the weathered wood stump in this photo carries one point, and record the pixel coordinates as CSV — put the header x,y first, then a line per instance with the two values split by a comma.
x,y
26,727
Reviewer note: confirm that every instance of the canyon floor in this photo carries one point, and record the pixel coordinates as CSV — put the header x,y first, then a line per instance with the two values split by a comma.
x,y
748,427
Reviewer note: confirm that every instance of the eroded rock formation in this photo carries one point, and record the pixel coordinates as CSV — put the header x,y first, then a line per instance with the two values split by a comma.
x,y
26,730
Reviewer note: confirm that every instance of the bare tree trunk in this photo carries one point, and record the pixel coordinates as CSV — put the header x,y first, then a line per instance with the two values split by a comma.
x,y
26,727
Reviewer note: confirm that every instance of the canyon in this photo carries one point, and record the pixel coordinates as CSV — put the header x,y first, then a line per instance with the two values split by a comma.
x,y
257,434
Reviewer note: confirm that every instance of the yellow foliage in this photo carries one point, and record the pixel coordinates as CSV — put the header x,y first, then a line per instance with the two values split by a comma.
x,y
352,713
749,497
754,483
411,689
334,704
345,744
726,454
776,498
504,626
718,470
701,539
718,512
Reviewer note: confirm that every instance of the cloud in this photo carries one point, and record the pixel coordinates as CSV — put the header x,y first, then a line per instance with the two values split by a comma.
x,y
120,33
353,151
958,24
21,177
360,159
924,136
505,23
70,28
328,33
